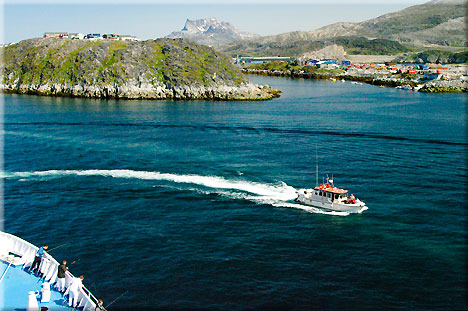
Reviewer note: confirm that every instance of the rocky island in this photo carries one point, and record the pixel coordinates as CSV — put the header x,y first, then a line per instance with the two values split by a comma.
x,y
152,69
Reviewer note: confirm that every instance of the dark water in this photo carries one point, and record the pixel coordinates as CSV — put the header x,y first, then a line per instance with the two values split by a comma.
x,y
187,204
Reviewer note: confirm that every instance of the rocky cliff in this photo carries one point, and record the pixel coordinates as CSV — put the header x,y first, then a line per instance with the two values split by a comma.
x,y
153,69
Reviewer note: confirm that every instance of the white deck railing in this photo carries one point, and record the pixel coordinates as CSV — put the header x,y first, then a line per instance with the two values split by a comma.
x,y
49,266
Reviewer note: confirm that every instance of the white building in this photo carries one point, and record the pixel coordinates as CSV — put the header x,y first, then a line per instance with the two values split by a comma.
x,y
129,38
78,36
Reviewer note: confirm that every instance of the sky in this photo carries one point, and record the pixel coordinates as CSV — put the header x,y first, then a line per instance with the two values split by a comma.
x,y
150,19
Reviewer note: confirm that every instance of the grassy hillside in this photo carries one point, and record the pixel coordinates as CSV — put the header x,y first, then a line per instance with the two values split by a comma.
x,y
74,62
351,44
414,18
152,69
436,56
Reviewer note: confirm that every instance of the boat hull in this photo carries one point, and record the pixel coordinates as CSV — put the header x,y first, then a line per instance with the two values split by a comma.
x,y
327,204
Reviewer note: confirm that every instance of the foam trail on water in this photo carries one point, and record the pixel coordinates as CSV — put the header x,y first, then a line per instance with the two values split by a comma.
x,y
279,192
273,194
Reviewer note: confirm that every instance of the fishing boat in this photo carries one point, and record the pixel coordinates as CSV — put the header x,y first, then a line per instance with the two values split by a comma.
x,y
328,197
22,290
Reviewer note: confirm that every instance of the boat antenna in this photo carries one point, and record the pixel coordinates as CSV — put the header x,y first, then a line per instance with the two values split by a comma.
x,y
316,166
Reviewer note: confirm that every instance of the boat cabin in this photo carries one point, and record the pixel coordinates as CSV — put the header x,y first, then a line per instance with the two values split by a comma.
x,y
329,191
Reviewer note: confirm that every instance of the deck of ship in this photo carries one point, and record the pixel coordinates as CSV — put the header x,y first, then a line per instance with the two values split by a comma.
x,y
16,285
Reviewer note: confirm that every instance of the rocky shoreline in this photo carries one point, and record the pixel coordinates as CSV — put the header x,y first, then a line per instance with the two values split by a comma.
x,y
147,91
433,86
153,69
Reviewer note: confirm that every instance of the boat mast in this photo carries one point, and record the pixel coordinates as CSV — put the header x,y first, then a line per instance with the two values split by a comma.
x,y
316,166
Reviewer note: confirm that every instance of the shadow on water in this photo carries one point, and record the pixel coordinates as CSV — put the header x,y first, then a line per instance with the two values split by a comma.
x,y
245,128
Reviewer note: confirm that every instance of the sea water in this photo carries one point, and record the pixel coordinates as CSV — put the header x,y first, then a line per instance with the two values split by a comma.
x,y
189,205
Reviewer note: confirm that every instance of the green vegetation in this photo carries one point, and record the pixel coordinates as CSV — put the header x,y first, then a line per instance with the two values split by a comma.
x,y
436,56
294,48
293,67
364,46
198,65
100,63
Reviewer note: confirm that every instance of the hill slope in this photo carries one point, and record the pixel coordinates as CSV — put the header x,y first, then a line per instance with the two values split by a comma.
x,y
436,24
163,68
416,23
298,47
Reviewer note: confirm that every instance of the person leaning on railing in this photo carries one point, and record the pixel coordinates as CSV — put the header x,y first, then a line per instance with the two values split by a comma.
x,y
61,276
73,291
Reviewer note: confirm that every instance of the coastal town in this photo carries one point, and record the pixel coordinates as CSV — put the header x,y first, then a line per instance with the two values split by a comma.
x,y
426,77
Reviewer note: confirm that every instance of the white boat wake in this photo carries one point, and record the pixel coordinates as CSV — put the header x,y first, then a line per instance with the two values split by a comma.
x,y
278,195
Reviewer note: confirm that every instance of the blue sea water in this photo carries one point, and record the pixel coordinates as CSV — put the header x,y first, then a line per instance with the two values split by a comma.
x,y
188,205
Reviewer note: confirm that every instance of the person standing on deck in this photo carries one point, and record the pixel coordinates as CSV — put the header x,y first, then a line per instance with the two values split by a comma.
x,y
74,290
41,252
61,276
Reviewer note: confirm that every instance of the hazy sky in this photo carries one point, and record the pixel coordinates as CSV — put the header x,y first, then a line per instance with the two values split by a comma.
x,y
150,19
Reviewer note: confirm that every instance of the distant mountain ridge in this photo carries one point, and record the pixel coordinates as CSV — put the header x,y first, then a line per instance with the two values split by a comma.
x,y
211,32
438,24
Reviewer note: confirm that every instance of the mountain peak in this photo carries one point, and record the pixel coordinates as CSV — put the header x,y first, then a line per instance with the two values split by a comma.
x,y
199,25
210,31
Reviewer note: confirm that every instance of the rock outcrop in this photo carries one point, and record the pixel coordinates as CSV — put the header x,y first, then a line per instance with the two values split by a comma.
x,y
153,69
331,51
